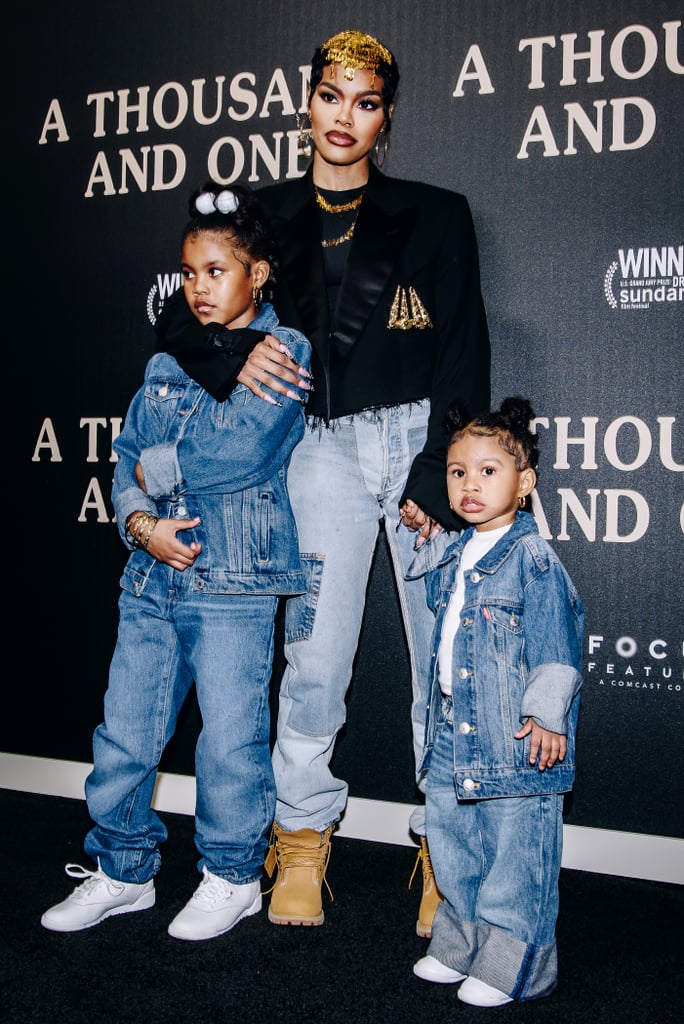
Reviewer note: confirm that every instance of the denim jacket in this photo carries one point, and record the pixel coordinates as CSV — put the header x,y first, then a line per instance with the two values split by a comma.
x,y
225,462
517,654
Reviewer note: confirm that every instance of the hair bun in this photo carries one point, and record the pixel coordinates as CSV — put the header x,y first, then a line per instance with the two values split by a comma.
x,y
518,412
456,416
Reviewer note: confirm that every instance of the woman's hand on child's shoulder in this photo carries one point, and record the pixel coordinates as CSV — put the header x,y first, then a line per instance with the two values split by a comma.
x,y
271,364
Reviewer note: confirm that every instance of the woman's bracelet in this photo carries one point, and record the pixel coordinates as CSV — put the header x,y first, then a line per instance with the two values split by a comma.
x,y
140,527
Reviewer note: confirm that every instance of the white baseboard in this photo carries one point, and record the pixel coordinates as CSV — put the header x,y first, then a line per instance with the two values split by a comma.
x,y
629,854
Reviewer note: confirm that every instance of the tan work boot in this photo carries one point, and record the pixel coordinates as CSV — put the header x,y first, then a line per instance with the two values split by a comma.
x,y
431,897
302,859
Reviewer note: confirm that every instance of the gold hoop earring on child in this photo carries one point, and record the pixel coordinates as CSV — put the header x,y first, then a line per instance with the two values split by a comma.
x,y
521,500
258,296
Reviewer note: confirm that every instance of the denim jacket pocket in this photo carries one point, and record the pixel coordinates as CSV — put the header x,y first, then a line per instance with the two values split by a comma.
x,y
158,393
137,572
503,616
300,610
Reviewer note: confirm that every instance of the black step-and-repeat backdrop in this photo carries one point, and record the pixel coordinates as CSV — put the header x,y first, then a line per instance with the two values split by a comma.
x,y
562,123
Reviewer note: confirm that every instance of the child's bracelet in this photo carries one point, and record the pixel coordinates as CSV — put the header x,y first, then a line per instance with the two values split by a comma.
x,y
140,526
152,522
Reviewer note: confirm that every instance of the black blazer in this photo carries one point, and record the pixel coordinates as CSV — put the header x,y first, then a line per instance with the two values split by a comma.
x,y
412,241
408,236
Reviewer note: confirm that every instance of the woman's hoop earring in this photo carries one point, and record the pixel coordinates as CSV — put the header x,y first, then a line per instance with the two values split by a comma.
x,y
380,157
304,144
521,500
258,296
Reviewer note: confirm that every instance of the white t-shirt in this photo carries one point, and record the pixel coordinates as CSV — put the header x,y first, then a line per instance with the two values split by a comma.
x,y
476,548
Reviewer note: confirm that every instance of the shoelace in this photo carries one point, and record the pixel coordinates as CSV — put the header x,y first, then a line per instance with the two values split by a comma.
x,y
92,879
296,857
212,889
288,855
424,856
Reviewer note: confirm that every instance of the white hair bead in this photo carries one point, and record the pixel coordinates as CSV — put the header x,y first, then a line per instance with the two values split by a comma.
x,y
205,202
226,201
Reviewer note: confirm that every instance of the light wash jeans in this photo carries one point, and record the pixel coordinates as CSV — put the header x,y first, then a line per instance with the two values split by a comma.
x,y
343,480
167,637
496,863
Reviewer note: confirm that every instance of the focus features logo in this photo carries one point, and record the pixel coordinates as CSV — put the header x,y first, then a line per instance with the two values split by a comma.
x,y
644,277
166,285
640,666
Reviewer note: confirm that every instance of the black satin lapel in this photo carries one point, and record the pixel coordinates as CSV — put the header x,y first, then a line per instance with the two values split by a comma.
x,y
379,239
302,265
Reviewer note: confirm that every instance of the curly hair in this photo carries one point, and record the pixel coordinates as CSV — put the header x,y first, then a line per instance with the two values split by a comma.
x,y
510,425
246,227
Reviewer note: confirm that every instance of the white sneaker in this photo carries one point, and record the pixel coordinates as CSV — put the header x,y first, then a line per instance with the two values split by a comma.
x,y
477,993
215,907
429,968
95,899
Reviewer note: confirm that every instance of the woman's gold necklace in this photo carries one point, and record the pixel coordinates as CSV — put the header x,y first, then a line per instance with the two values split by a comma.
x,y
354,204
330,243
342,208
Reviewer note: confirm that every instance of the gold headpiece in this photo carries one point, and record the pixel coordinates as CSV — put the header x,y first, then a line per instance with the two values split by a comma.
x,y
355,51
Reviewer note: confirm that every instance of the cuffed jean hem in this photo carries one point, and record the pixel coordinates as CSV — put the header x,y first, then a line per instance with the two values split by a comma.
x,y
491,955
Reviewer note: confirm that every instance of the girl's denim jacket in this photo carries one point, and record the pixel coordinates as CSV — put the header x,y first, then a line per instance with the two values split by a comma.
x,y
225,462
517,654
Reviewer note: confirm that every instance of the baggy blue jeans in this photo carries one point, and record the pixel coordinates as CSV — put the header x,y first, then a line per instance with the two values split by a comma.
x,y
169,636
496,863
343,480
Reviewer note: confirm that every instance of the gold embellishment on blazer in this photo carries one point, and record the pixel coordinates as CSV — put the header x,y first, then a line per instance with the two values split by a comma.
x,y
408,311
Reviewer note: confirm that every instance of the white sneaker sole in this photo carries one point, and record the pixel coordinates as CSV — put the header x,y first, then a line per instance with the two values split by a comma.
x,y
177,931
144,902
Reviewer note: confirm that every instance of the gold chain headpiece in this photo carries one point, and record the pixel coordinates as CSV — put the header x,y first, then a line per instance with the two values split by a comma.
x,y
355,51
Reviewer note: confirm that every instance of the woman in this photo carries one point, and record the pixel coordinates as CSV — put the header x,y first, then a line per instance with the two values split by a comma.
x,y
382,276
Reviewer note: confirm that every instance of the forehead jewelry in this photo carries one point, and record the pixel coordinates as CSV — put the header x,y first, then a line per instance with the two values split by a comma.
x,y
355,51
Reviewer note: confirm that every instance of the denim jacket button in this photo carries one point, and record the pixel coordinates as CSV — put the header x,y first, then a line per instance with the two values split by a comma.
x,y
468,784
475,577
465,728
182,511
163,391
463,673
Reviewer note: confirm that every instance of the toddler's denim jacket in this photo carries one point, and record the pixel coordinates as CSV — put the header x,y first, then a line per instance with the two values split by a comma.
x,y
517,654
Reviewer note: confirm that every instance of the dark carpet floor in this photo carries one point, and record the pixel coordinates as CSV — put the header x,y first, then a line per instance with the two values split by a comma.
x,y
620,945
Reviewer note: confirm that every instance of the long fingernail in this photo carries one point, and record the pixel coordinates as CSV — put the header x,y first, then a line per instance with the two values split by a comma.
x,y
273,401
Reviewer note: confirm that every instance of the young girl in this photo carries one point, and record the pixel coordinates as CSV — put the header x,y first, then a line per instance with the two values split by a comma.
x,y
507,655
199,593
